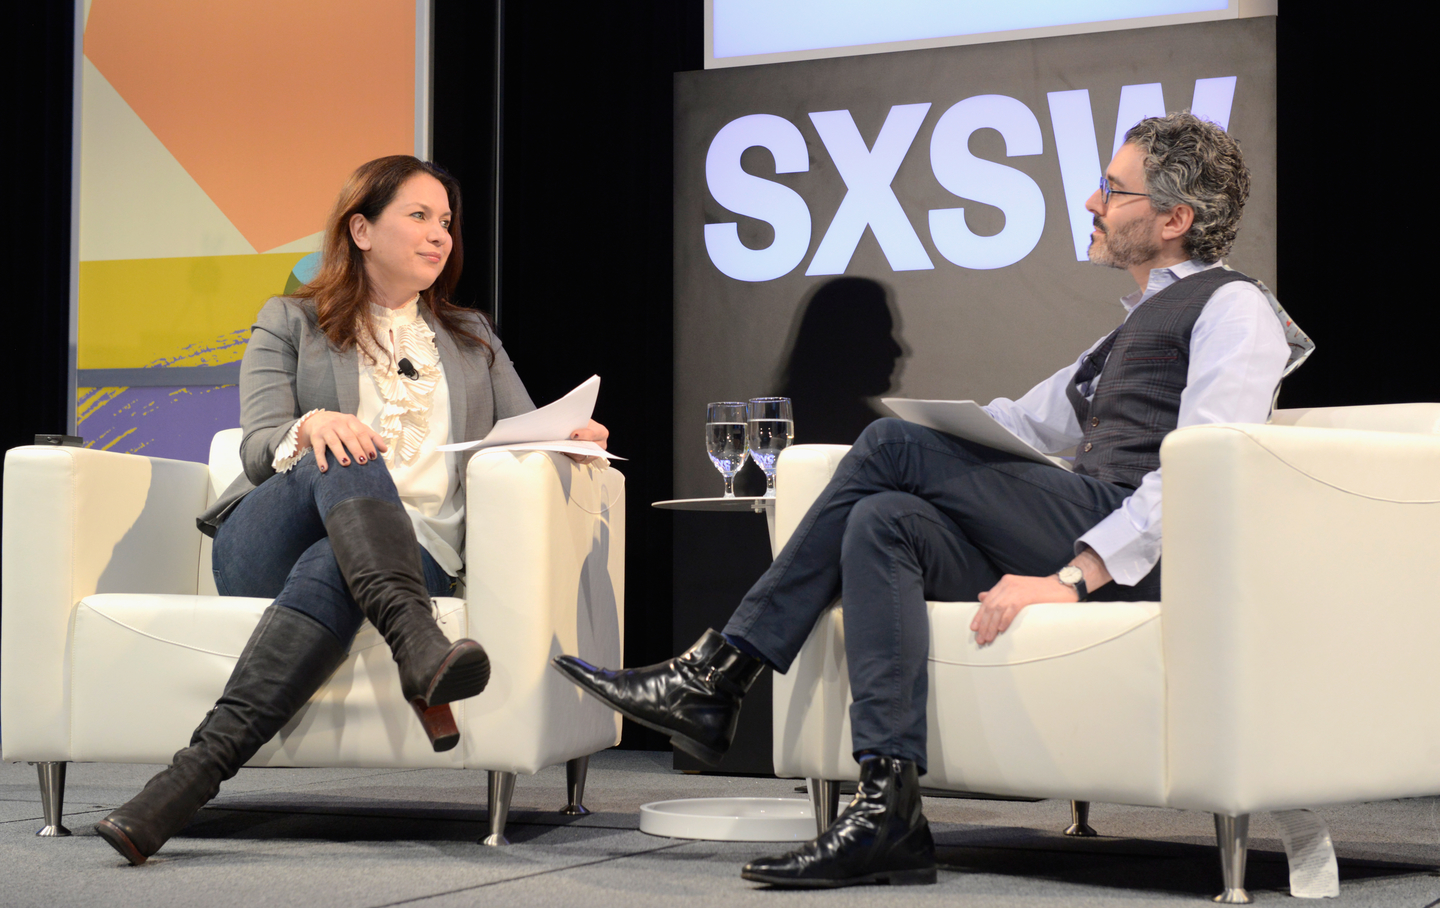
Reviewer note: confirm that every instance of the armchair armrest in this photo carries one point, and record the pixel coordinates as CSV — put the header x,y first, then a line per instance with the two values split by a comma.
x,y
801,475
1300,616
78,522
1418,417
544,575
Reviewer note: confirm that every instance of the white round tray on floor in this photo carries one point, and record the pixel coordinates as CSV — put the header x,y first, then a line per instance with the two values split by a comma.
x,y
730,819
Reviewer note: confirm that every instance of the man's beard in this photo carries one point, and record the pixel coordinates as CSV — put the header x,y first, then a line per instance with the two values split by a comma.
x,y
1123,248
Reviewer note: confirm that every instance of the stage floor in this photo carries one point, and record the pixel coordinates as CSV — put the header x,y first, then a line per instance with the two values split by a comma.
x,y
337,837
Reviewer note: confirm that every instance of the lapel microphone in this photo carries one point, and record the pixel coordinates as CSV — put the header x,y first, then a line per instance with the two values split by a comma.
x,y
407,369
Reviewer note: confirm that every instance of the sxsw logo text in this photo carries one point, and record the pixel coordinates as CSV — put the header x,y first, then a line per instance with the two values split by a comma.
x,y
869,172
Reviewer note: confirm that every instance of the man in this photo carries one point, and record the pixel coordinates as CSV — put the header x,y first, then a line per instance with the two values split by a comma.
x,y
913,514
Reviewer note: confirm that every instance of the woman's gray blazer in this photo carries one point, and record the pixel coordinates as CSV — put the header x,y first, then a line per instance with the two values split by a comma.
x,y
290,368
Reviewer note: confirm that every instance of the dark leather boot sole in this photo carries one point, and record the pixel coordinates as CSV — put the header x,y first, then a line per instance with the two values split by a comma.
x,y
120,842
463,674
921,877
686,743
439,725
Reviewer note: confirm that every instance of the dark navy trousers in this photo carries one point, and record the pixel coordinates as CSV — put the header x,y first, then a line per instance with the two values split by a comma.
x,y
273,544
913,514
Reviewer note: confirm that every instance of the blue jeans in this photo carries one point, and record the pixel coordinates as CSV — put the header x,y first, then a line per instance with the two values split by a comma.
x,y
911,515
273,544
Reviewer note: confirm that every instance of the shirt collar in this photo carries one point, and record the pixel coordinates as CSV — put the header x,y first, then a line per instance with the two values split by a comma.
x,y
400,316
1160,278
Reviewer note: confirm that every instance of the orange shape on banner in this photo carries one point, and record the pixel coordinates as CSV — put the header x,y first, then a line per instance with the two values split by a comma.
x,y
267,104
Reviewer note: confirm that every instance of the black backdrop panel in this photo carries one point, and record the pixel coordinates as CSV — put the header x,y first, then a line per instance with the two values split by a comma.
x,y
910,298
940,329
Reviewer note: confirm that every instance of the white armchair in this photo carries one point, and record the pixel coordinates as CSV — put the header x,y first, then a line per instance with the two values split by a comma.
x,y
1291,664
114,643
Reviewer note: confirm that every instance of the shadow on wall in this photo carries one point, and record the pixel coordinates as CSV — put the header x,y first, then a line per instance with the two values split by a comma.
x,y
846,350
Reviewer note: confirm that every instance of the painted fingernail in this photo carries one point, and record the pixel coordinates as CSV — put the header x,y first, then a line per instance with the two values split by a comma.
x,y
360,459
344,462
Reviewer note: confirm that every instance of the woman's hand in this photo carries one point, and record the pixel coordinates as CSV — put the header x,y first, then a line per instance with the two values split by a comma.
x,y
591,431
341,434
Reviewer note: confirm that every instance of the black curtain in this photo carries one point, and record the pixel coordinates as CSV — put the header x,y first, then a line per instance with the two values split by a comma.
x,y
1351,105
38,90
585,253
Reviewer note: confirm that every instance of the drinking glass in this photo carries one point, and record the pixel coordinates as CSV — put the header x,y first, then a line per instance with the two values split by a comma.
x,y
725,439
769,430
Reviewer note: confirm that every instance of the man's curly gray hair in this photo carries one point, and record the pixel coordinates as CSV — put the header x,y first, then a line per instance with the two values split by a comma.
x,y
1190,161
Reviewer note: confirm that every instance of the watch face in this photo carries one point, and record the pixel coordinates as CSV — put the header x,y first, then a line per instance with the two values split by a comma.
x,y
1070,574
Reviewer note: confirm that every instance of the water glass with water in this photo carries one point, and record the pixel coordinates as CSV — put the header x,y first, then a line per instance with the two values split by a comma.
x,y
725,439
770,429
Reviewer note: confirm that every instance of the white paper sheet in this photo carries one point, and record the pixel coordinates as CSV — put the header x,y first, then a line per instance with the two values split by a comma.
x,y
545,429
583,448
1313,871
968,420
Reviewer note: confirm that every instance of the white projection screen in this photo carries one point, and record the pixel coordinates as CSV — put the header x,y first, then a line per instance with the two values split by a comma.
x,y
745,32
912,223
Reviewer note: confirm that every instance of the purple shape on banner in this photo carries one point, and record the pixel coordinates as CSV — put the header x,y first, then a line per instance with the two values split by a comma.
x,y
159,422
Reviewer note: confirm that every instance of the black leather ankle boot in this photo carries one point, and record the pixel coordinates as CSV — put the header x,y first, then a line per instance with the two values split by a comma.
x,y
694,698
286,660
882,837
374,544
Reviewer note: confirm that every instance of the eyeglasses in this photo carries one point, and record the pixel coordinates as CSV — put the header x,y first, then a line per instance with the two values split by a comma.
x,y
1106,192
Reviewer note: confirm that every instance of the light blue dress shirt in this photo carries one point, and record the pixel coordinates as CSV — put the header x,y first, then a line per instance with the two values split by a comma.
x,y
1238,352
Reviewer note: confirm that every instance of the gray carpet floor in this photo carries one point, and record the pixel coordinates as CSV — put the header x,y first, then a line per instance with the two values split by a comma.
x,y
337,837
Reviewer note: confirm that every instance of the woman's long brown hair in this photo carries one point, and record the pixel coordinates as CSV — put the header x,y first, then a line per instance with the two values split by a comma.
x,y
341,289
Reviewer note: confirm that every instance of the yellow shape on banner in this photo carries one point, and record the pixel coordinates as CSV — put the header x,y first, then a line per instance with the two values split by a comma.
x,y
145,312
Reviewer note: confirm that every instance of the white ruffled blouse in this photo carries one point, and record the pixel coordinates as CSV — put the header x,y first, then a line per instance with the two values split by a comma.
x,y
413,416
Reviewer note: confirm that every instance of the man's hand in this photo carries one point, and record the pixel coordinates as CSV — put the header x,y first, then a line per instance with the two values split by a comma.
x,y
1003,602
591,431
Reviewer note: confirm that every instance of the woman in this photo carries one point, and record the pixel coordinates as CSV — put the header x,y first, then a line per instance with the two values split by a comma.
x,y
346,509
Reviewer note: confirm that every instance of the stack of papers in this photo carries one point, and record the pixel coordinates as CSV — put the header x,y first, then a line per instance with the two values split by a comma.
x,y
545,429
968,420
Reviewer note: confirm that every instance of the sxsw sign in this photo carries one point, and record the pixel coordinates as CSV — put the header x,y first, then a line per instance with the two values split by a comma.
x,y
868,173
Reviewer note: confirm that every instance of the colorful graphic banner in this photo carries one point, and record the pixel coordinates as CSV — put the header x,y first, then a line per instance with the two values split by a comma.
x,y
213,140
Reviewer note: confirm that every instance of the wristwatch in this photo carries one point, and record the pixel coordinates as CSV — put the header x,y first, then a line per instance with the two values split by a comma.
x,y
1073,577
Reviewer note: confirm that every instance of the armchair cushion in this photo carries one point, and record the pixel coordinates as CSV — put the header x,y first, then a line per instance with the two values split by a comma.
x,y
132,652
1070,705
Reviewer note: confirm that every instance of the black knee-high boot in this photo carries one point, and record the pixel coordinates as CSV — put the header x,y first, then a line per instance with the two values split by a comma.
x,y
374,544
287,659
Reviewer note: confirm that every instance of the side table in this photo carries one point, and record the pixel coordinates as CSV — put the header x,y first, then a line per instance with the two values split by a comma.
x,y
730,819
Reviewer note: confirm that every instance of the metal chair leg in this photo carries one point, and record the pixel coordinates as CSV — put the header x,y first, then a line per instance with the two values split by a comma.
x,y
575,786
52,798
1232,834
502,787
1080,820
825,800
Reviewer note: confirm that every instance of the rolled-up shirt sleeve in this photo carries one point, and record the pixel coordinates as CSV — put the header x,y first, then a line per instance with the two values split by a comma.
x,y
1237,353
